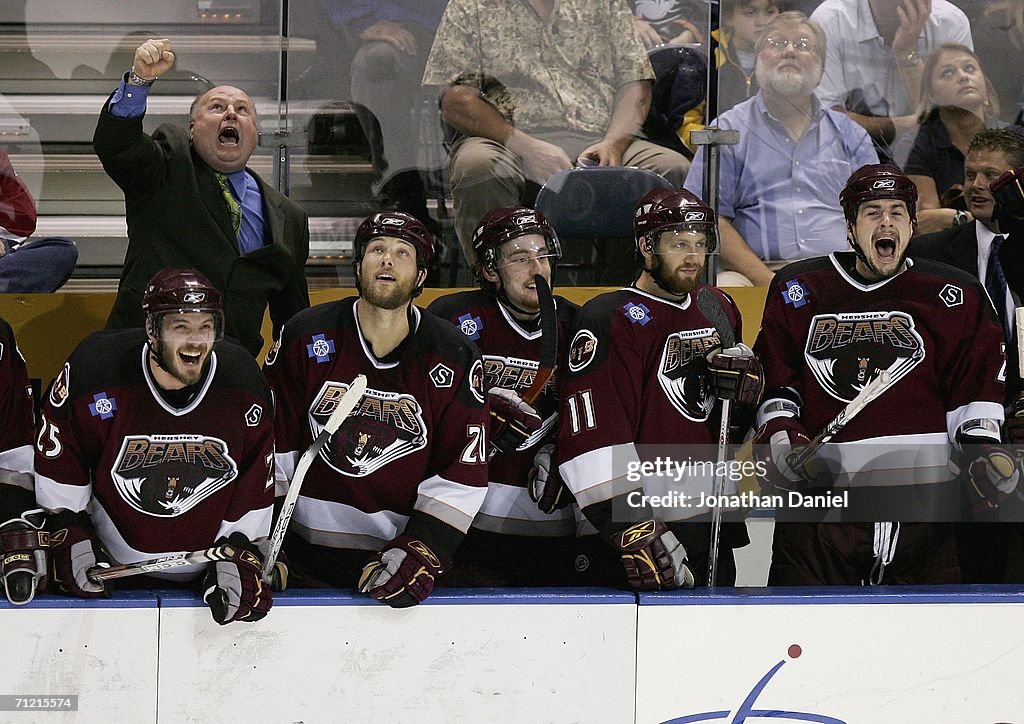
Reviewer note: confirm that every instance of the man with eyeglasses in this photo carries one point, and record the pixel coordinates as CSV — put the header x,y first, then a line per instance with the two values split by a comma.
x,y
646,367
158,441
525,532
779,186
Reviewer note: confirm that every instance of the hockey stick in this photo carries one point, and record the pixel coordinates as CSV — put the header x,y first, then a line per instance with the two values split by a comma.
x,y
548,346
1018,404
348,402
874,388
712,309
106,572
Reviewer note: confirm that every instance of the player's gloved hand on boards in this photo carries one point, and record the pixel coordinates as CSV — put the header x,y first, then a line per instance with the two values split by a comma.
x,y
1013,427
1008,192
734,373
279,573
233,588
24,547
653,557
73,551
989,470
776,444
402,574
547,489
512,420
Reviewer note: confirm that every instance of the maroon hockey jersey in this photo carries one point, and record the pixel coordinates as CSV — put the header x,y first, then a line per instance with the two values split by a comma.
x,y
16,428
826,333
155,478
636,377
412,455
511,351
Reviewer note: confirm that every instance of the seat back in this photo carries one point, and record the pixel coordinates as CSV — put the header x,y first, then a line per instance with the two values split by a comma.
x,y
591,210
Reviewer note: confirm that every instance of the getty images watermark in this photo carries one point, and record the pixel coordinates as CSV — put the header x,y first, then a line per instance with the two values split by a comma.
x,y
674,474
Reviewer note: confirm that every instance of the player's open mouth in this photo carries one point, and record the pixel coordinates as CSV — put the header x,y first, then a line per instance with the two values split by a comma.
x,y
885,248
384,278
228,135
190,359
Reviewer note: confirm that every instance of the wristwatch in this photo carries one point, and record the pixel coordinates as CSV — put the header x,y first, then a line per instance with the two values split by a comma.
x,y
908,60
136,79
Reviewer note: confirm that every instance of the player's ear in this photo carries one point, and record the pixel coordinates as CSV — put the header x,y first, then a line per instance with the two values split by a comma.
x,y
489,274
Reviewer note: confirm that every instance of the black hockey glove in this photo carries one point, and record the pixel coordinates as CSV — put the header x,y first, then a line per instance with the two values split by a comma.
x,y
547,489
989,470
653,557
776,444
402,574
512,420
735,374
1008,192
73,551
233,588
24,546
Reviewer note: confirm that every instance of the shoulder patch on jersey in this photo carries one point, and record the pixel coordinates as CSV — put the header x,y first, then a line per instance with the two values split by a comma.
x,y
952,295
637,313
102,406
476,380
320,348
61,387
442,375
582,350
471,326
273,351
254,415
795,293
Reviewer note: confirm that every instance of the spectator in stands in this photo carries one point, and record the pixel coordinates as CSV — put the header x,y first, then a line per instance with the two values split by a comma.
x,y
36,265
532,87
742,21
192,203
874,64
956,103
394,38
779,187
673,22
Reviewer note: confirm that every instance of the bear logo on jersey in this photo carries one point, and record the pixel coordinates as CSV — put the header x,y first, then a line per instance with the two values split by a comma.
x,y
681,373
382,428
168,475
846,351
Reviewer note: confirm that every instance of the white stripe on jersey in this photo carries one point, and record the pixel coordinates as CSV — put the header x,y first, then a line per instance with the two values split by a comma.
x,y
56,496
337,525
453,503
255,525
508,509
598,475
284,471
16,466
973,411
886,461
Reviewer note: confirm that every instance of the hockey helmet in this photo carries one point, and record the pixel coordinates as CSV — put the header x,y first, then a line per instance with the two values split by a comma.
x,y
670,209
401,226
178,291
878,181
507,223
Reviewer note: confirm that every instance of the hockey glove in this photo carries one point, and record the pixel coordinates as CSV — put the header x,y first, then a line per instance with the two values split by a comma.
x,y
1013,427
73,547
233,588
24,546
512,420
402,574
547,489
653,557
989,470
776,444
1008,192
735,374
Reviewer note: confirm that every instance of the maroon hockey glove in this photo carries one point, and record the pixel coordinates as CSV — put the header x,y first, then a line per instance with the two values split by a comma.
x,y
512,420
653,557
776,443
24,546
73,547
990,472
402,574
1008,192
233,588
547,489
735,374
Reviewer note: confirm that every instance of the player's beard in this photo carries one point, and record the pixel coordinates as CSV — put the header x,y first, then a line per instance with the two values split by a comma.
x,y
170,363
396,296
671,283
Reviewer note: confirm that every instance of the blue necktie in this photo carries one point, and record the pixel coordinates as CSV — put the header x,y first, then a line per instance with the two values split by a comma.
x,y
995,283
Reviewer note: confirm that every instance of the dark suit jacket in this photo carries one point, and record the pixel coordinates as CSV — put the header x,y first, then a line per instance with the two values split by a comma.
x,y
958,247
177,217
